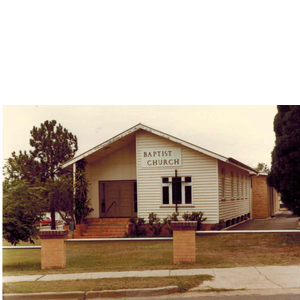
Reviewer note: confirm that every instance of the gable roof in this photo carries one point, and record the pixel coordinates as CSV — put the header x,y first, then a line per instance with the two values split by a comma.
x,y
125,138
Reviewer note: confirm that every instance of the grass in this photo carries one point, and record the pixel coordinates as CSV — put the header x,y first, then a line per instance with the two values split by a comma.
x,y
184,283
213,251
37,242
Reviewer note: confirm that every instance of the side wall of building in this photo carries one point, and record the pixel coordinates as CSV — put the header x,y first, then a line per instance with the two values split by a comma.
x,y
265,198
260,198
202,168
233,204
120,165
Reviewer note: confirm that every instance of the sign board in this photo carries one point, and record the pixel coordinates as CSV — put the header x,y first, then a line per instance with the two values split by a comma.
x,y
161,157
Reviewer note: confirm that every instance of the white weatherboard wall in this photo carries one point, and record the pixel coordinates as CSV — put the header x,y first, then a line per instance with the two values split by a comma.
x,y
202,168
233,207
120,165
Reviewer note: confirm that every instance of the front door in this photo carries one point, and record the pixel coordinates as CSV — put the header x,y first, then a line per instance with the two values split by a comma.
x,y
117,198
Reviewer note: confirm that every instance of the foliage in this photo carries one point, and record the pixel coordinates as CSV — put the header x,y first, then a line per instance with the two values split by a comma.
x,y
22,206
155,225
194,216
60,192
52,146
21,167
262,167
285,170
218,226
169,219
138,230
82,203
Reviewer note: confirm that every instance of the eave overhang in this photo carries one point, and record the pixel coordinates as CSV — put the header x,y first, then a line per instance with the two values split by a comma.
x,y
128,136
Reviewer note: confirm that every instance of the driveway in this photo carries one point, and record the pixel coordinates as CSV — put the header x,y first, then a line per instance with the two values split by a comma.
x,y
283,220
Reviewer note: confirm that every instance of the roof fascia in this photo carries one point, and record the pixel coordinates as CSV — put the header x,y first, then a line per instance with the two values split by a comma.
x,y
240,165
101,146
151,130
184,143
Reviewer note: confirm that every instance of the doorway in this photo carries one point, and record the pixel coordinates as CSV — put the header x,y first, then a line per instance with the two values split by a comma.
x,y
117,199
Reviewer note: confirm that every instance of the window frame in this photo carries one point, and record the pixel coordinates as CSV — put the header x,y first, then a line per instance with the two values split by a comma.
x,y
223,181
242,186
232,185
238,186
183,185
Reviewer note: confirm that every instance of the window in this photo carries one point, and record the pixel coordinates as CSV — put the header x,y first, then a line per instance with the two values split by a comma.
x,y
238,185
223,182
135,197
176,190
232,185
242,185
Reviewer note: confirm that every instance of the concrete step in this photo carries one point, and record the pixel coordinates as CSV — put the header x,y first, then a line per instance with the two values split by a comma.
x,y
91,236
110,221
106,228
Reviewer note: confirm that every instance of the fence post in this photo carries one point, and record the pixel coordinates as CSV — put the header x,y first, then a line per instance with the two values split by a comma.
x,y
184,241
53,252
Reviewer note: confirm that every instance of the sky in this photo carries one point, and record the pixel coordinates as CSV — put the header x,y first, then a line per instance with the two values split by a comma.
x,y
126,62
242,132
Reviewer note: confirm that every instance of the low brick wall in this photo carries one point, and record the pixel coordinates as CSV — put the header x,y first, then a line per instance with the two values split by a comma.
x,y
53,251
184,242
77,233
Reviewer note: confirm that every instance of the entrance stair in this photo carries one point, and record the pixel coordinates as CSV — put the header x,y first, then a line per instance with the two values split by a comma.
x,y
106,228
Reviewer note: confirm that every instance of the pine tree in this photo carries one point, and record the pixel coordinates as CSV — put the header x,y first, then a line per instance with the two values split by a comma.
x,y
285,171
52,146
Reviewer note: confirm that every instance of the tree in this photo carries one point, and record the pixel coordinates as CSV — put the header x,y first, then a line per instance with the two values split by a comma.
x,y
22,206
52,146
81,196
60,192
285,171
262,167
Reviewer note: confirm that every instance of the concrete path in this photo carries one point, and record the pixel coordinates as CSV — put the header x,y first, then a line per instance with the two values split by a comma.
x,y
271,277
284,220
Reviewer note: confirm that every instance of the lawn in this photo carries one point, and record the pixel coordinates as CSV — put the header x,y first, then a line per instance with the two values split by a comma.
x,y
184,283
213,251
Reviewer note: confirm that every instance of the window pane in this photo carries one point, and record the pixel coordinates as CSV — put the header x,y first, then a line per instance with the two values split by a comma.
x,y
176,190
134,187
188,195
135,197
165,180
135,203
188,179
165,195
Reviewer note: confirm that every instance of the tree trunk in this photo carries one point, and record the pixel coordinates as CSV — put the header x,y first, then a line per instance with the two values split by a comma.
x,y
53,227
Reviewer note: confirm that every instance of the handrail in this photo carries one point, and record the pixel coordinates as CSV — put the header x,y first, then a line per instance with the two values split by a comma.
x,y
114,202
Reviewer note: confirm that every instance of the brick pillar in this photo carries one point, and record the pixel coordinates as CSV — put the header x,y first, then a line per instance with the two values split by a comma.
x,y
184,241
53,253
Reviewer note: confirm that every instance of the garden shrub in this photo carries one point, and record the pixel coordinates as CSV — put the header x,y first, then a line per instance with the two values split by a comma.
x,y
155,225
194,216
169,219
138,229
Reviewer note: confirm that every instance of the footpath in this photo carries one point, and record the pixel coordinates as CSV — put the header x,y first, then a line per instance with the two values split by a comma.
x,y
249,278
